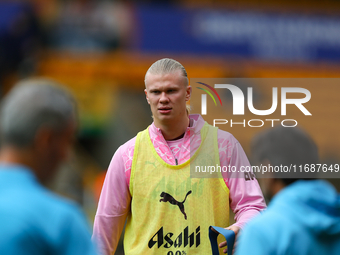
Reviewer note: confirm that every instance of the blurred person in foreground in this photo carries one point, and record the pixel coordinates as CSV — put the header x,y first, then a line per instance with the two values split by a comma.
x,y
304,214
37,126
148,181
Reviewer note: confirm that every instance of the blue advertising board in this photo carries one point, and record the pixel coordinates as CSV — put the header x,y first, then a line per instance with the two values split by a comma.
x,y
256,35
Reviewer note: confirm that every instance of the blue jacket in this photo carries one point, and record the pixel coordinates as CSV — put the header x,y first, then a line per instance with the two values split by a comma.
x,y
304,218
35,221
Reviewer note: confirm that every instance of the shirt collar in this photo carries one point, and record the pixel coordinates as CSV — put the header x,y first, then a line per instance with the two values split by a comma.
x,y
196,124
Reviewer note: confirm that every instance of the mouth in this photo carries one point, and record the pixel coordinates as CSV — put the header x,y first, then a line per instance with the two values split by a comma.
x,y
164,110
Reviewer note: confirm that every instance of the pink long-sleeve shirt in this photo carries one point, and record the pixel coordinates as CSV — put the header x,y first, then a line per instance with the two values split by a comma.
x,y
246,199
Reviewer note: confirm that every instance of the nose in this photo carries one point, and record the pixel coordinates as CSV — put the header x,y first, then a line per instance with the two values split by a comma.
x,y
164,98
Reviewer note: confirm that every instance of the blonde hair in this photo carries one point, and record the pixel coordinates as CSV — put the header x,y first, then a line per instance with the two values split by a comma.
x,y
188,107
165,66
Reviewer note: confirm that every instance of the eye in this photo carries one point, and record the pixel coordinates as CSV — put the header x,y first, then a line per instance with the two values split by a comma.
x,y
156,92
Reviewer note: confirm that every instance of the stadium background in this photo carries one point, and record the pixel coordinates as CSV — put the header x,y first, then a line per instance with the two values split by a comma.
x,y
102,49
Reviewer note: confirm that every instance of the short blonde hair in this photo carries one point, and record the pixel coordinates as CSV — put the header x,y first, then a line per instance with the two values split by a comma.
x,y
188,108
165,66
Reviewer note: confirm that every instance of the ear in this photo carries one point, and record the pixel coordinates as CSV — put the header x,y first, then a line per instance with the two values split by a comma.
x,y
188,93
146,94
43,139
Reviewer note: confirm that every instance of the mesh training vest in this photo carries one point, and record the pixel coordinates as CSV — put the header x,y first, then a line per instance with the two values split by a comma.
x,y
171,212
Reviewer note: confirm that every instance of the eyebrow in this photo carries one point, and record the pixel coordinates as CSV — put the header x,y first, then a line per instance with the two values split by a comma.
x,y
153,90
169,88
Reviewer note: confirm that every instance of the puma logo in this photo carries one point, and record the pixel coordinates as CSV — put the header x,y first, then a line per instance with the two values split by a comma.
x,y
168,198
151,163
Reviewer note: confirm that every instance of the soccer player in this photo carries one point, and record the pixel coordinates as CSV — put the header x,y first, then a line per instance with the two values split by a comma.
x,y
37,127
148,181
304,215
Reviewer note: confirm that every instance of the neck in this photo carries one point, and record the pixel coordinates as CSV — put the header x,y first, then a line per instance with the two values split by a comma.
x,y
174,129
12,155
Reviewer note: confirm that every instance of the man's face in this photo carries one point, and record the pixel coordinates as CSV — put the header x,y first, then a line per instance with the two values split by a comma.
x,y
167,95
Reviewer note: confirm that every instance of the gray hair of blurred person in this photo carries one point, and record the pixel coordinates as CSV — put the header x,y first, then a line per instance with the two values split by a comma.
x,y
166,66
32,104
285,146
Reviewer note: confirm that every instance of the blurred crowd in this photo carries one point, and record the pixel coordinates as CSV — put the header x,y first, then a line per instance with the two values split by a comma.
x,y
28,27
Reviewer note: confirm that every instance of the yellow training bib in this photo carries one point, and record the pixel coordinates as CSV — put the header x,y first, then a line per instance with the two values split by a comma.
x,y
171,212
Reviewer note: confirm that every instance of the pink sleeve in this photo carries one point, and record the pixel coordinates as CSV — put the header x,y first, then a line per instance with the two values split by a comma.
x,y
113,206
246,198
